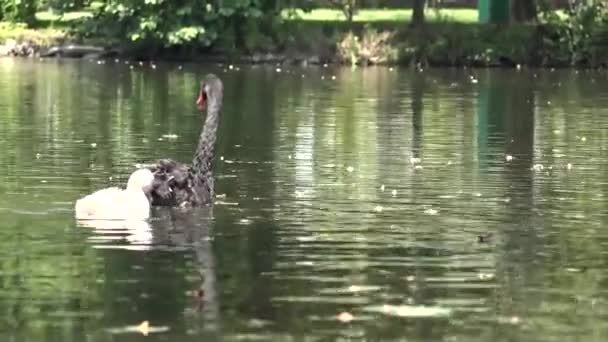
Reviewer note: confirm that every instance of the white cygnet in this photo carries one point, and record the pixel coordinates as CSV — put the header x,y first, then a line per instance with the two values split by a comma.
x,y
118,204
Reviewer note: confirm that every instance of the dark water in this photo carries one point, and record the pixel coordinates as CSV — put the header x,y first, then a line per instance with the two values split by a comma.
x,y
442,205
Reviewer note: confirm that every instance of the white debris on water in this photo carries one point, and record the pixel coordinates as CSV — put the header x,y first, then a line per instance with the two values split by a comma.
x,y
431,211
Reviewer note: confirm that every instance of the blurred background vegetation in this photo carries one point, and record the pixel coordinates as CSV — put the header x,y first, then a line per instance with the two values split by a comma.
x,y
448,32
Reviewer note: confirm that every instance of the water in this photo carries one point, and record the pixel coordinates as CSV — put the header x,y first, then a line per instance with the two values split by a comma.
x,y
444,205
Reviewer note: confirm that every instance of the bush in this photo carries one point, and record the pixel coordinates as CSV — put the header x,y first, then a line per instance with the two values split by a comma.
x,y
18,11
370,47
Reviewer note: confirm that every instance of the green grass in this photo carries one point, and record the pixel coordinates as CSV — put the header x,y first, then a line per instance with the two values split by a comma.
x,y
463,15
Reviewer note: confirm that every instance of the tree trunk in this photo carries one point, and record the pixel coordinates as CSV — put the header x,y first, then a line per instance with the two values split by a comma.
x,y
418,13
523,10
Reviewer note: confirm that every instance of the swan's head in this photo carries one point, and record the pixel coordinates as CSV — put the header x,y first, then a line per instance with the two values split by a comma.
x,y
140,180
211,88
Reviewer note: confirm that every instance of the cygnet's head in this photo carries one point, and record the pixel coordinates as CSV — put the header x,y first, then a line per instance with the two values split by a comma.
x,y
140,180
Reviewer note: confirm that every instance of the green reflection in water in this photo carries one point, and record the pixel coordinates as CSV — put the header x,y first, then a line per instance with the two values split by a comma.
x,y
345,190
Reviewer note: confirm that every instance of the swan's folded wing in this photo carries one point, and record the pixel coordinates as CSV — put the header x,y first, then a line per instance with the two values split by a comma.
x,y
172,183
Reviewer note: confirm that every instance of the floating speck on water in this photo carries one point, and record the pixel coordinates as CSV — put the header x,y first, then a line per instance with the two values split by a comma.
x,y
345,317
556,131
583,139
509,320
431,211
477,194
230,66
538,167
222,158
474,81
141,63
144,328
414,160
43,181
569,166
278,69
170,136
245,221
153,66
350,169
130,67
485,276
409,310
333,77
449,162
394,193
289,156
37,155
518,66
418,167
378,209
93,144
382,187
180,67
390,69
508,157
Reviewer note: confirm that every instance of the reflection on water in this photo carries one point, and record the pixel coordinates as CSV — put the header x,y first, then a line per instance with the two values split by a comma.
x,y
382,204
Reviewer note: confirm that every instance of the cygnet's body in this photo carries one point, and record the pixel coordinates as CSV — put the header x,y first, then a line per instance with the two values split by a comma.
x,y
118,204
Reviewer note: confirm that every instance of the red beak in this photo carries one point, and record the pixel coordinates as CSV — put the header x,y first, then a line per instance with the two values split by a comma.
x,y
200,102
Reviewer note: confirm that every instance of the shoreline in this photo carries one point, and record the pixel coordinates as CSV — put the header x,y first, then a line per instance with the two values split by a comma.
x,y
438,45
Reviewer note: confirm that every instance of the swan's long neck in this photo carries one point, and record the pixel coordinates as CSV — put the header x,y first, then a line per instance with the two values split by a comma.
x,y
203,157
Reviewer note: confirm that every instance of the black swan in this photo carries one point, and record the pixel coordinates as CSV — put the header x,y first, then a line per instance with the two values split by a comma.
x,y
116,203
179,185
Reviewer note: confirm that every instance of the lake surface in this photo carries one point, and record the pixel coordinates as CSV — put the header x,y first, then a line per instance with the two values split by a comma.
x,y
369,204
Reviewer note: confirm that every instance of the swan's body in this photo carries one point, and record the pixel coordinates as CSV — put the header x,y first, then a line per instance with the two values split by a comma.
x,y
118,204
180,185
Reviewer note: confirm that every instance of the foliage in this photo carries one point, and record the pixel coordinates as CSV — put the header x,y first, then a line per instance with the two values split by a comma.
x,y
168,23
18,11
579,37
20,32
370,47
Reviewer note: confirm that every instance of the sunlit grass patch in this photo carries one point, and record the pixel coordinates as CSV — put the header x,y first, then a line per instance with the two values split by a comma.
x,y
464,15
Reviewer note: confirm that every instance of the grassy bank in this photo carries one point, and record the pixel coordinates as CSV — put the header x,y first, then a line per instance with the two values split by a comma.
x,y
450,38
461,15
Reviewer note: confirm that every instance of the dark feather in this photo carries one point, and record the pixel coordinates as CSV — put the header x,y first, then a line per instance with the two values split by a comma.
x,y
178,185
